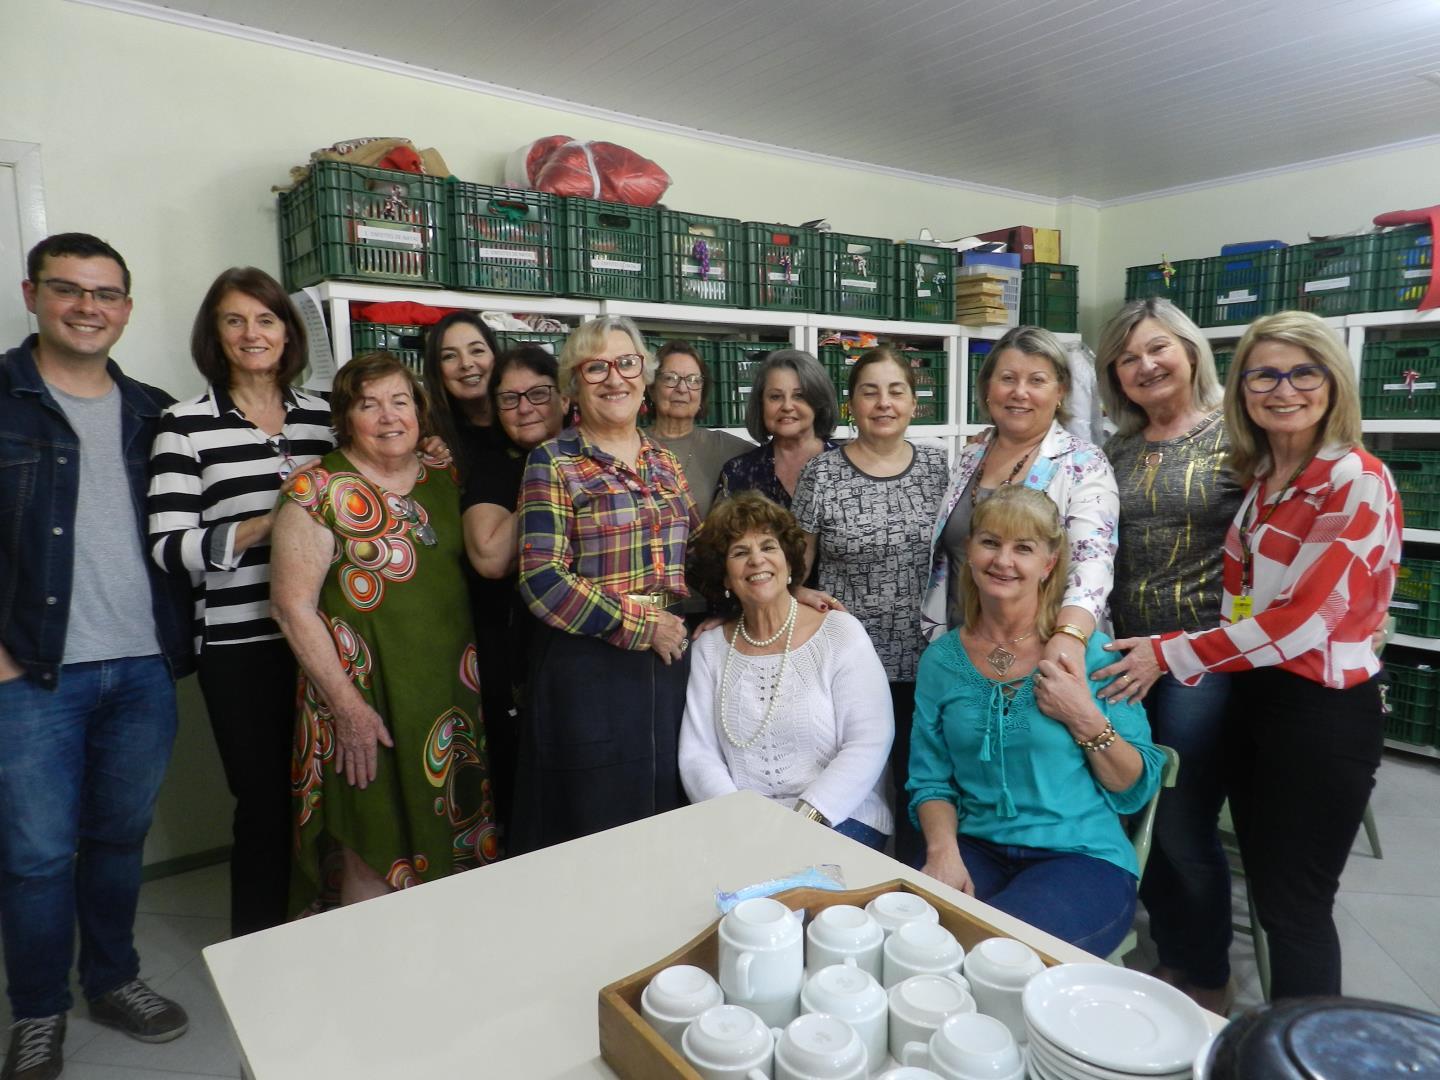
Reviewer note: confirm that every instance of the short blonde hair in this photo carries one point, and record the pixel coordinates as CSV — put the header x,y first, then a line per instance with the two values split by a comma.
x,y
1032,341
1012,512
588,339
1340,426
1204,382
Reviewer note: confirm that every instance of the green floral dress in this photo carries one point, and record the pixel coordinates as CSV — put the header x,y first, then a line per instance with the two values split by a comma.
x,y
396,609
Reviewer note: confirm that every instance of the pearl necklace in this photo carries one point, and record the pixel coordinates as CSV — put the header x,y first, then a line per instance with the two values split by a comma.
x,y
788,629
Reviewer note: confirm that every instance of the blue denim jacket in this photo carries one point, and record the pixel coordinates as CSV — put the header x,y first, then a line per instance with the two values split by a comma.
x,y
39,488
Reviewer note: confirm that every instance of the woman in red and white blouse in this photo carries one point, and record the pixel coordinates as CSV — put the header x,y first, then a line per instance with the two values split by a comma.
x,y
1309,568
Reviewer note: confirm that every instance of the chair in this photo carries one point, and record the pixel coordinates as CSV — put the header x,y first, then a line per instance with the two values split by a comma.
x,y
1142,828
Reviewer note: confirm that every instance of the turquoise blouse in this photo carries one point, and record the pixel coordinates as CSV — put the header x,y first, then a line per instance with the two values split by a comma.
x,y
1015,775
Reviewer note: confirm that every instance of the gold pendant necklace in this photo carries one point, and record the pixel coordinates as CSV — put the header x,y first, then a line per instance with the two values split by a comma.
x,y
1000,658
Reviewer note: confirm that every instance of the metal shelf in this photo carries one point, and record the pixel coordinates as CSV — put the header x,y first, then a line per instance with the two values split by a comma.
x,y
1402,427
1413,642
1413,748
472,301
1422,536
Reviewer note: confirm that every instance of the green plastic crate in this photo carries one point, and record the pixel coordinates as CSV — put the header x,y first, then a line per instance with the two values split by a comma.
x,y
1223,359
1403,267
1332,277
502,239
1417,479
551,343
925,282
1416,602
782,267
1237,289
1414,700
1181,290
612,250
355,223
702,259
1050,297
859,275
979,351
405,342
1400,380
733,371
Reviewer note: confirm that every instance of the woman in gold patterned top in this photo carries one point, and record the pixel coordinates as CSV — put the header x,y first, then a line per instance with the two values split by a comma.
x,y
1157,379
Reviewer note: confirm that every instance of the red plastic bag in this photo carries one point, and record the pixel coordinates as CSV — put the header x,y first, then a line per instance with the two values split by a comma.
x,y
561,165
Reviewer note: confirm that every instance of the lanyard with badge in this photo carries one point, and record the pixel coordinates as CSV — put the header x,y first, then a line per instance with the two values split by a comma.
x,y
1244,605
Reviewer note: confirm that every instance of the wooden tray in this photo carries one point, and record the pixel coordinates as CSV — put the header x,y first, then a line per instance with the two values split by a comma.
x,y
637,1051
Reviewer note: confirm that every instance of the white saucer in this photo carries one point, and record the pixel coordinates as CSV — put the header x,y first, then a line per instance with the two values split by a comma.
x,y
1065,1066
1115,1018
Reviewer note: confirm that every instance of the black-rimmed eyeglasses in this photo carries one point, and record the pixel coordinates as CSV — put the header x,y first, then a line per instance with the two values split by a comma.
x,y
536,395
672,379
70,292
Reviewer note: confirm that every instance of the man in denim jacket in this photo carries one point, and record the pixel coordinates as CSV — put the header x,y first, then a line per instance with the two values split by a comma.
x,y
92,638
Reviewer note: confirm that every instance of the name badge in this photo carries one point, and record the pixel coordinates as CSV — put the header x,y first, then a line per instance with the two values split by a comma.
x,y
1242,608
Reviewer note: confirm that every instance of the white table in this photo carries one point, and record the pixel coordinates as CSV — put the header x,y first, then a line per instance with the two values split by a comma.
x,y
496,972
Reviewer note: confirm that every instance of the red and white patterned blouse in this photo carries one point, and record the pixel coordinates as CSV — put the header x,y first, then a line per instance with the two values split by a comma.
x,y
1324,569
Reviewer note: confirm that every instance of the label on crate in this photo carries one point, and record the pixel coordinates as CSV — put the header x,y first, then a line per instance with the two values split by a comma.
x,y
1409,386
922,392
1404,605
1327,284
1410,275
854,283
604,262
782,278
391,235
507,253
922,293
716,273
1239,296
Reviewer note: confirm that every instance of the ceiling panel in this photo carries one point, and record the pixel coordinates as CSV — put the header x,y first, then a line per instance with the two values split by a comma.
x,y
1099,98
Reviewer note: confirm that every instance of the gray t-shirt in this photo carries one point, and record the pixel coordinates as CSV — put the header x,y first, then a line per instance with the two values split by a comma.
x,y
1177,501
873,544
701,454
110,603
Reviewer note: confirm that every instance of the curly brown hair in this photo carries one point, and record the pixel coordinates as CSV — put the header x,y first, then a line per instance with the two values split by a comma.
x,y
349,388
744,513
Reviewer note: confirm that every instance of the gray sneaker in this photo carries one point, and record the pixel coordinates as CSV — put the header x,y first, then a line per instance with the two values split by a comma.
x,y
36,1049
140,1013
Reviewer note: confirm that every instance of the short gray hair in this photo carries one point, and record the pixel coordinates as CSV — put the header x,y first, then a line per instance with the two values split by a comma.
x,y
588,338
1032,341
815,387
1204,382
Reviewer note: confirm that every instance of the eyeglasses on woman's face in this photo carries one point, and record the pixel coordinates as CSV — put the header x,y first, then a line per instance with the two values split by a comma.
x,y
1304,377
673,379
629,366
536,395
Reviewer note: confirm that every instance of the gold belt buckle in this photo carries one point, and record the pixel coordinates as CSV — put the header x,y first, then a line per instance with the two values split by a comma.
x,y
659,598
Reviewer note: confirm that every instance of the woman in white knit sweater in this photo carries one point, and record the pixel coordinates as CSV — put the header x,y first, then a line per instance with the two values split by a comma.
x,y
783,699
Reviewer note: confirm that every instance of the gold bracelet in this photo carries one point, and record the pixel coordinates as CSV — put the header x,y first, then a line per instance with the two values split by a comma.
x,y
1100,742
809,813
1074,631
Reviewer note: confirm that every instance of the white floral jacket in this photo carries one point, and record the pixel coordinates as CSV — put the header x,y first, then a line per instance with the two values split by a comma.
x,y
1078,477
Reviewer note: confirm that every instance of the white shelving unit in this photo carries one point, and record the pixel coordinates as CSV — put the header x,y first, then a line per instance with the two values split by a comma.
x,y
804,329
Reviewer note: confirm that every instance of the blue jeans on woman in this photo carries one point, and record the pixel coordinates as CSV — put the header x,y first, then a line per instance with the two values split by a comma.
x,y
1186,887
1078,898
80,769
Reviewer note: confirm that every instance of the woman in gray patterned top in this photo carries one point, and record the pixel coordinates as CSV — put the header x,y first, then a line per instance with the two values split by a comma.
x,y
866,508
1157,378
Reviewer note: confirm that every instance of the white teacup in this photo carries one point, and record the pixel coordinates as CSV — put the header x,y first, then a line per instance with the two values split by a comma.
x,y
919,1005
920,948
970,1046
676,996
893,910
729,1042
844,932
820,1047
762,959
998,969
847,993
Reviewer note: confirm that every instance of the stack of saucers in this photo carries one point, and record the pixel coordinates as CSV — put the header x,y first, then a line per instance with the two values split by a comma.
x,y
1100,1022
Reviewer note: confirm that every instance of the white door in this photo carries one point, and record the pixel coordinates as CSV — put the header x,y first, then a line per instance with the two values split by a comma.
x,y
15,321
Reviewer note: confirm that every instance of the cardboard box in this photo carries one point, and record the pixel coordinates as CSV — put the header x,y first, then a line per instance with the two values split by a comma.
x,y
1032,244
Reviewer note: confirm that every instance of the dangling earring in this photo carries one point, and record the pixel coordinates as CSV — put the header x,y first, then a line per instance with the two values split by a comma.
x,y
789,578
727,594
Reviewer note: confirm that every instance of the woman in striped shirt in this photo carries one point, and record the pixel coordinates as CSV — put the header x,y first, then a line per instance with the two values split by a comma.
x,y
218,462
1309,568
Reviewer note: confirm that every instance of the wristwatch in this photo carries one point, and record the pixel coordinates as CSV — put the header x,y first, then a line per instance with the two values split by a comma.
x,y
809,813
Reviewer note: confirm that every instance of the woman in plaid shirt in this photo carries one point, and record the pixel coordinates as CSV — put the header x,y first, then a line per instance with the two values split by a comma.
x,y
605,515
1309,568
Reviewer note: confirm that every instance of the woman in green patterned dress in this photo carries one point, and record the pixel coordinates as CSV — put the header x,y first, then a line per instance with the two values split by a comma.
x,y
389,773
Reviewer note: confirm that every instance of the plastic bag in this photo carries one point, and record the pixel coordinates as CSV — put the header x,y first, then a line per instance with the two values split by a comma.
x,y
827,876
561,165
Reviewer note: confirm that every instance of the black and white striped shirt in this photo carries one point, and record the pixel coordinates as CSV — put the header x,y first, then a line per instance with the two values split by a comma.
x,y
211,468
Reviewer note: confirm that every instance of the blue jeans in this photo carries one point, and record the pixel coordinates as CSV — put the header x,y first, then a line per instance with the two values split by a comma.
x,y
867,835
80,768
1080,899
1186,887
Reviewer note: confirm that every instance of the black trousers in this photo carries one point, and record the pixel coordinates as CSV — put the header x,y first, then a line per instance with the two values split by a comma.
x,y
909,841
1300,762
249,692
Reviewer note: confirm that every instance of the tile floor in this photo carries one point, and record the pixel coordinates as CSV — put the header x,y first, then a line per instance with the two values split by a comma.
x,y
1388,915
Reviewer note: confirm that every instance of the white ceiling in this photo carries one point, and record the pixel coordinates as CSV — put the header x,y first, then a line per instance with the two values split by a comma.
x,y
1101,99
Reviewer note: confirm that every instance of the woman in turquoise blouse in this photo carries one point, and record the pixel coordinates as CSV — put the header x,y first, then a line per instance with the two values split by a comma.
x,y
1018,771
